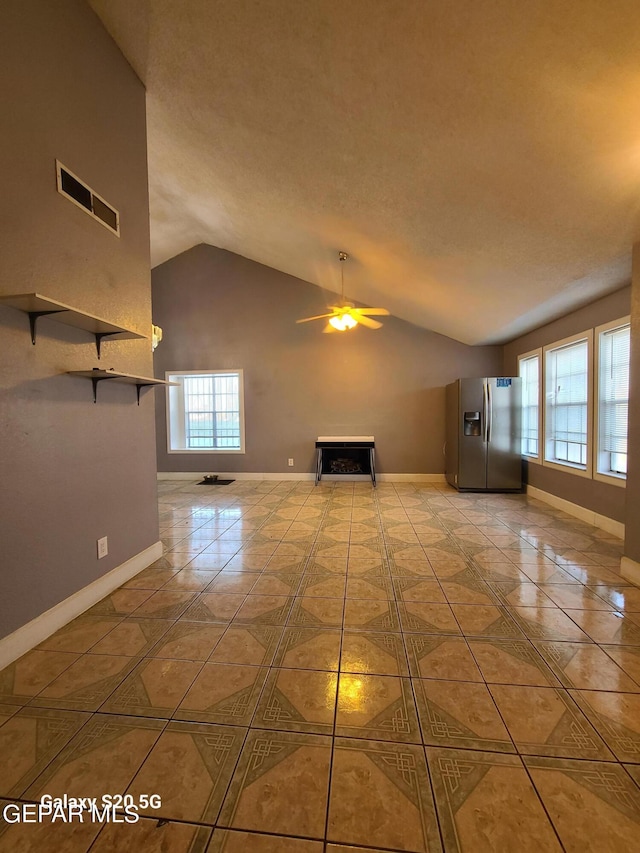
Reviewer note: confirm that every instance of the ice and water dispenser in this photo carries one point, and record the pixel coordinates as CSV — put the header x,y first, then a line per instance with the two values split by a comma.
x,y
471,423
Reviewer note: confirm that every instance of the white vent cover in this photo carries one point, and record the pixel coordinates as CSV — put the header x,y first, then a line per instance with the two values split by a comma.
x,y
71,187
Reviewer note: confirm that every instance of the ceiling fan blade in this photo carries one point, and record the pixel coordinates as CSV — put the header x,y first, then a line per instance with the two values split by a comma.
x,y
317,317
373,312
365,321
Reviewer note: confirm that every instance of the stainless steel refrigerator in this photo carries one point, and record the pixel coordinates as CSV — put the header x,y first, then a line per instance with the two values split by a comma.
x,y
482,452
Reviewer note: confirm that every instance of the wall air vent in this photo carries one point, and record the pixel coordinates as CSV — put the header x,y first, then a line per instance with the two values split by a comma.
x,y
70,186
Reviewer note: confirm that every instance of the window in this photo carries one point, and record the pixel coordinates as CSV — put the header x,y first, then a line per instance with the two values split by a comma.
x,y
205,412
613,341
529,370
567,402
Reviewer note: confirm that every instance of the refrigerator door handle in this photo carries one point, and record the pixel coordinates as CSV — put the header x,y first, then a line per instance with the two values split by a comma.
x,y
485,413
489,412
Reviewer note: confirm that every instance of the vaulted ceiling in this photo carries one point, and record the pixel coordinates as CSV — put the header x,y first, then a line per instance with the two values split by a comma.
x,y
478,159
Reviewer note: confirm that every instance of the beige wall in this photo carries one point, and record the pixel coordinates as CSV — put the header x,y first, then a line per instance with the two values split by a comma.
x,y
605,499
71,471
220,310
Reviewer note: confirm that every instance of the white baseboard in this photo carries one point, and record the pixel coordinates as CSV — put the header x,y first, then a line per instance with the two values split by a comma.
x,y
26,637
243,475
630,570
616,528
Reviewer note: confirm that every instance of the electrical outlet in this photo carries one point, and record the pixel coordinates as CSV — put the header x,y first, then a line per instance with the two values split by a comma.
x,y
103,548
290,462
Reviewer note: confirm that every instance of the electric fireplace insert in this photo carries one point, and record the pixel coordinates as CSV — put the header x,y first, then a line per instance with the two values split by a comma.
x,y
345,454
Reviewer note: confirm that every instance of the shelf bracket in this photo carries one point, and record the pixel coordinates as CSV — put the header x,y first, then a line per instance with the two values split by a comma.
x,y
138,387
99,336
33,319
94,382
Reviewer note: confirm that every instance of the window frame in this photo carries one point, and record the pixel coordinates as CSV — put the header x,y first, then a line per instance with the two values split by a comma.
x,y
541,437
569,467
611,478
172,416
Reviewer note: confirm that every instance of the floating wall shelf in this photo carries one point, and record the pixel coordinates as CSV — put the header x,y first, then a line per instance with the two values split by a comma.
x,y
97,375
36,305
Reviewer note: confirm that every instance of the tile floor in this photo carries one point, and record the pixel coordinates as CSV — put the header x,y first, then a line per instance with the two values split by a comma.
x,y
332,669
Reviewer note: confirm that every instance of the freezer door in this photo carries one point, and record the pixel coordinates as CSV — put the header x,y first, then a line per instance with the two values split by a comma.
x,y
472,473
504,464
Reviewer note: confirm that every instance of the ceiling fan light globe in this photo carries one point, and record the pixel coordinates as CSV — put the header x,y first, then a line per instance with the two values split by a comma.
x,y
338,323
349,321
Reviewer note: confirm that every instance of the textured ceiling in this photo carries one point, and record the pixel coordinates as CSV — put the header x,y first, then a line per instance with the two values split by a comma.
x,y
478,159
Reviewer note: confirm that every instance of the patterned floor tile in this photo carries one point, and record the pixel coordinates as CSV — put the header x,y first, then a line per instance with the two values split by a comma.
x,y
327,566
543,623
253,645
373,653
153,689
309,648
264,610
280,785
419,616
120,603
585,666
486,803
135,635
26,677
625,599
166,605
371,615
594,806
295,700
441,656
86,684
188,641
233,582
511,662
516,594
368,567
46,836
190,580
379,588
216,607
153,836
236,841
29,740
7,711
418,589
378,707
574,597
190,767
616,716
392,780
102,758
308,611
460,714
485,620
223,693
277,583
150,579
627,658
605,627
545,721
322,586
80,634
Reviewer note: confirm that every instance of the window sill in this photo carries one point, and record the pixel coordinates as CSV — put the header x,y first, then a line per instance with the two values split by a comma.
x,y
199,451
568,468
611,479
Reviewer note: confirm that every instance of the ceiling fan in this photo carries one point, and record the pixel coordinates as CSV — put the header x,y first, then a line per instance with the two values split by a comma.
x,y
346,316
